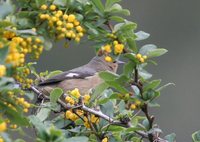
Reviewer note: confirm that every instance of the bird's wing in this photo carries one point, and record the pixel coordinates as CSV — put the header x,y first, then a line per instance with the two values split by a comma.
x,y
76,73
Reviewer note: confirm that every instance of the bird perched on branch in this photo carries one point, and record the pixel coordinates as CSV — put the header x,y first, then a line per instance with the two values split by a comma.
x,y
84,77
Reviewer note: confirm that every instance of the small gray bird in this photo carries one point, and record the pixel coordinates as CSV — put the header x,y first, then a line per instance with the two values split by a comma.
x,y
84,78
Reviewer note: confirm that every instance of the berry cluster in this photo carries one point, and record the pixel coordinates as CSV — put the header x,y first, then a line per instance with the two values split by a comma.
x,y
22,77
135,105
61,24
2,70
141,58
115,47
75,95
19,47
73,116
21,104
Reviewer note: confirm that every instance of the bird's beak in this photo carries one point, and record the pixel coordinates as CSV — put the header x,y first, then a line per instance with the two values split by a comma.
x,y
120,62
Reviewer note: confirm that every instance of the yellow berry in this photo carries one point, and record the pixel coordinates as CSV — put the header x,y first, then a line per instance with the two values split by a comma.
x,y
133,106
76,23
79,29
27,105
71,18
118,48
38,40
65,16
21,100
3,126
77,39
25,110
42,16
86,124
34,29
94,119
54,19
86,98
59,23
14,126
63,30
2,70
43,7
115,42
138,102
107,48
145,57
80,34
138,56
141,60
105,139
69,25
80,112
108,59
68,34
29,39
75,93
52,7
1,140
60,12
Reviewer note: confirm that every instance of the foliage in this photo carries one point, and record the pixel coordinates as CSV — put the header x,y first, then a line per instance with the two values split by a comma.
x,y
29,26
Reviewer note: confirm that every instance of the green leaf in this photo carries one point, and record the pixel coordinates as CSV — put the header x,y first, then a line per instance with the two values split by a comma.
x,y
43,114
108,76
40,2
98,4
144,74
132,44
144,50
98,90
60,2
77,139
157,52
114,128
152,85
38,125
116,18
128,69
6,7
107,108
48,44
141,35
117,86
172,138
4,24
132,57
126,26
132,129
109,3
116,8
54,73
164,86
3,54
136,90
55,95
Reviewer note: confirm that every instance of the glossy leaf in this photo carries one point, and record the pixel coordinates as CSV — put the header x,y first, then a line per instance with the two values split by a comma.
x,y
172,138
108,76
55,95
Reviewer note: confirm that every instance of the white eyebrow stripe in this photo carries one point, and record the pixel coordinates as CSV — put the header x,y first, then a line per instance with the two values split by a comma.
x,y
72,75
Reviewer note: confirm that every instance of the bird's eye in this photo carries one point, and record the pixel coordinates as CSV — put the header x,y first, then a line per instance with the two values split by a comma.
x,y
114,61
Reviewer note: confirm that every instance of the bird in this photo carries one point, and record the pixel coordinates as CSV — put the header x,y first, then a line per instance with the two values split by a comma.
x,y
84,77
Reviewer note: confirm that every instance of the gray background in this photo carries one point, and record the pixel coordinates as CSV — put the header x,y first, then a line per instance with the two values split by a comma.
x,y
173,24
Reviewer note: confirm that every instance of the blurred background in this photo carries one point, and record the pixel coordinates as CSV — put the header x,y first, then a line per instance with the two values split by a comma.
x,y
174,25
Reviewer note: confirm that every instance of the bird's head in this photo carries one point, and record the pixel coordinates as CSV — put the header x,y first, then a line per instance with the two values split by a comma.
x,y
101,64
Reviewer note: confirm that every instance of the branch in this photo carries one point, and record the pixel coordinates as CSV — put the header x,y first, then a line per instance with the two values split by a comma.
x,y
84,108
99,114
